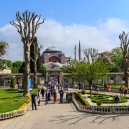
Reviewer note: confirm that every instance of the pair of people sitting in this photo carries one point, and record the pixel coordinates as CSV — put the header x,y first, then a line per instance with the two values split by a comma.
x,y
117,99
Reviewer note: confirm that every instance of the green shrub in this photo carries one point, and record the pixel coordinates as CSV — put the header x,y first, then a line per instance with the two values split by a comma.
x,y
83,92
99,102
12,85
82,99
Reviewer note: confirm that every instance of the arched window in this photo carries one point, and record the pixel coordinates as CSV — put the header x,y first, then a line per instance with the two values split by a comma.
x,y
54,59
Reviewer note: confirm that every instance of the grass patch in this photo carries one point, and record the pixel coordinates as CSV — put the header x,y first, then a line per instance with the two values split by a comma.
x,y
11,99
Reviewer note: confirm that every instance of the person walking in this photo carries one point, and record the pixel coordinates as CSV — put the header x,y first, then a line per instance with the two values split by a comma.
x,y
47,95
55,95
105,87
33,100
61,94
58,88
38,97
109,88
42,92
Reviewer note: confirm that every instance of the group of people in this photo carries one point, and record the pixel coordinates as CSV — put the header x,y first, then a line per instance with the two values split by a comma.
x,y
48,93
123,90
80,86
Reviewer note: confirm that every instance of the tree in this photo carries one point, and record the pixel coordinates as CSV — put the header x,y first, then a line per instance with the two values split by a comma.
x,y
124,45
22,68
117,59
35,58
3,52
96,68
42,69
16,66
12,85
27,25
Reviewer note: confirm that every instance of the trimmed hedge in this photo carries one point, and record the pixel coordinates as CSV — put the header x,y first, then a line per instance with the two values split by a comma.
x,y
82,99
104,98
83,92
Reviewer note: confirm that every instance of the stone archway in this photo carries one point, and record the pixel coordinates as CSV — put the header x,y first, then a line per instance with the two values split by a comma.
x,y
54,59
52,76
54,72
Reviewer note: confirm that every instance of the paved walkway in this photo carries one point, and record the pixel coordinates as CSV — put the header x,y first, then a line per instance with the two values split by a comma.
x,y
64,116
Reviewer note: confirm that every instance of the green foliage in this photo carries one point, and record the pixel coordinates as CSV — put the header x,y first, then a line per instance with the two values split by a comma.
x,y
64,69
3,51
12,85
89,71
34,50
22,68
42,69
98,102
118,60
83,91
16,66
105,98
83,100
3,48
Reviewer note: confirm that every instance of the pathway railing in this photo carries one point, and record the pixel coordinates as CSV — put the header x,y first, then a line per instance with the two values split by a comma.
x,y
102,109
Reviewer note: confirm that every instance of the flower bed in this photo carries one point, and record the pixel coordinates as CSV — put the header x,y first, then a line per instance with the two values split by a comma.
x,y
84,107
21,110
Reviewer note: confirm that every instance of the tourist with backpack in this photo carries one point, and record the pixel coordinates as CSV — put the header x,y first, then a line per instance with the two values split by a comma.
x,y
61,95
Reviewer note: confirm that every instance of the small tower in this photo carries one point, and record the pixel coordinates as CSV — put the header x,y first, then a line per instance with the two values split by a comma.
x,y
79,52
75,52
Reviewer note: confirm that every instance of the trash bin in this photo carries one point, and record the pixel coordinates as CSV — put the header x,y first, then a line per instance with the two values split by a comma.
x,y
69,97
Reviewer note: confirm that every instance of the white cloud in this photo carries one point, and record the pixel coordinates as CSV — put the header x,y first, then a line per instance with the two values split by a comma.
x,y
102,36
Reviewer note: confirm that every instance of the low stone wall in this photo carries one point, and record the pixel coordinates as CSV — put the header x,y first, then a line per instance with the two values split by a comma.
x,y
14,113
102,110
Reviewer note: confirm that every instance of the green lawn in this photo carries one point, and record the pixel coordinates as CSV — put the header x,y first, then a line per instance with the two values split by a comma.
x,y
11,99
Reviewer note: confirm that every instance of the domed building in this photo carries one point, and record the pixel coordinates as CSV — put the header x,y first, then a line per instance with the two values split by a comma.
x,y
52,55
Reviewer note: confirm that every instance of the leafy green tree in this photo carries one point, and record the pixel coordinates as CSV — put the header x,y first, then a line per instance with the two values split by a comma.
x,y
12,85
117,59
22,68
16,66
42,69
90,69
64,69
3,52
9,63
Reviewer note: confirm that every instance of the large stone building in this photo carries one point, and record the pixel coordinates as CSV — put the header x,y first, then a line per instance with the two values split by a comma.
x,y
53,54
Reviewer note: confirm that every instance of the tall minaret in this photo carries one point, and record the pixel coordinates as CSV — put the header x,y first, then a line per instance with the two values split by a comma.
x,y
79,52
75,52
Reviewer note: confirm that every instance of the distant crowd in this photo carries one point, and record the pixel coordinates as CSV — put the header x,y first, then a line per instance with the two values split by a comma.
x,y
49,93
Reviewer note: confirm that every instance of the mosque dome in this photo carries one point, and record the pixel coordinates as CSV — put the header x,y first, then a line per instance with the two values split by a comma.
x,y
52,49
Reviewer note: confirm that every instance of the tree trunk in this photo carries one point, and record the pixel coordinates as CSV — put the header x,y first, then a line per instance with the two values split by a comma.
x,y
90,82
27,70
35,74
126,72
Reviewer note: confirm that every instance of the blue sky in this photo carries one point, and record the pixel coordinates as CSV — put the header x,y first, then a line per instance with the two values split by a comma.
x,y
96,23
